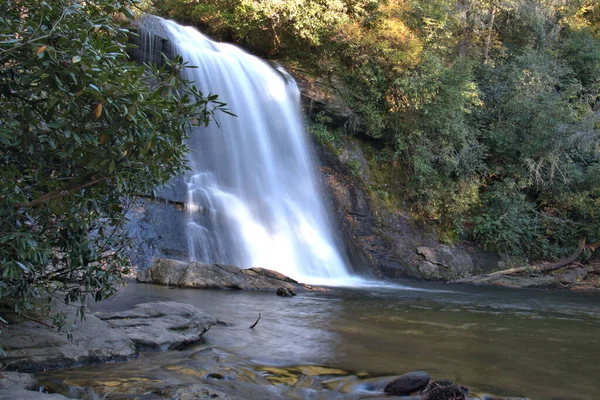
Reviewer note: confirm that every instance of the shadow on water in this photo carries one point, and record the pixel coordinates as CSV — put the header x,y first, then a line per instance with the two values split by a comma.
x,y
542,345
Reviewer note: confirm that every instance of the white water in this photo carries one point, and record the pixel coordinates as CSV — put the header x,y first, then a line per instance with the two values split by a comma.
x,y
253,196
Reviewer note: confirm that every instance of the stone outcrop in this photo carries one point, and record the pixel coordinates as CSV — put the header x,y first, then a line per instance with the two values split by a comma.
x,y
33,347
216,276
444,263
161,325
386,243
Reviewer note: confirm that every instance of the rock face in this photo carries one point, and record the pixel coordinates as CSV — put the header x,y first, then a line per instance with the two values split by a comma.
x,y
445,263
31,347
407,383
385,243
161,325
215,276
158,227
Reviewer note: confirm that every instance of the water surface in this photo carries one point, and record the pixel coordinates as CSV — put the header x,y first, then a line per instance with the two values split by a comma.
x,y
536,344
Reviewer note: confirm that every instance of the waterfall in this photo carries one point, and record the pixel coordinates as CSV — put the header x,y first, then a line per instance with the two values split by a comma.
x,y
253,195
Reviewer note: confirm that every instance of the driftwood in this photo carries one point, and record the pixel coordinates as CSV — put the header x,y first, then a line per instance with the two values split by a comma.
x,y
254,324
550,267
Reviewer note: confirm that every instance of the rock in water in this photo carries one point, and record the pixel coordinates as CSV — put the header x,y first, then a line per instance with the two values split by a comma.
x,y
161,325
285,292
216,276
407,383
32,347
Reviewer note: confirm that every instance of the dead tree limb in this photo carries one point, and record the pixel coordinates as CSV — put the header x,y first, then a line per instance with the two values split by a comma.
x,y
546,268
254,324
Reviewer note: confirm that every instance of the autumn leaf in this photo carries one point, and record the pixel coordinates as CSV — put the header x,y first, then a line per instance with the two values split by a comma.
x,y
97,111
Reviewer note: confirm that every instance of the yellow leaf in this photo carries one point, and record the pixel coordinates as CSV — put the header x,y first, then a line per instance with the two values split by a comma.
x,y
41,49
97,111
104,138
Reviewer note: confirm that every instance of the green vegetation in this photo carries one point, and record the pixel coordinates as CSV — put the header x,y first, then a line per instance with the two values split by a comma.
x,y
486,110
82,131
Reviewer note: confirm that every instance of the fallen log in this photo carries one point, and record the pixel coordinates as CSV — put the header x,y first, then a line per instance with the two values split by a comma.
x,y
549,267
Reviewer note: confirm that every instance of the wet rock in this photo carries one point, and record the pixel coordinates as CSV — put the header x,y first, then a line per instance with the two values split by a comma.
x,y
443,389
542,282
15,394
32,347
216,276
17,380
16,385
285,292
574,275
161,325
407,383
444,263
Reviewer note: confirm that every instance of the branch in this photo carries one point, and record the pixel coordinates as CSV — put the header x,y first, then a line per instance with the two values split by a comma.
x,y
254,324
64,192
5,52
37,321
545,268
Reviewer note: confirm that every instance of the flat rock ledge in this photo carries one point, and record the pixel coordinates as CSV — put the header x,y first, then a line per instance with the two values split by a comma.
x,y
111,337
216,276
161,325
32,347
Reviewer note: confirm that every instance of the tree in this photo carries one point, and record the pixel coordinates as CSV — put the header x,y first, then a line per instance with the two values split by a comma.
x,y
82,132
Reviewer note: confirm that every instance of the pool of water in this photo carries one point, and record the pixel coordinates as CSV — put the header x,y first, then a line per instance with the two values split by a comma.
x,y
520,343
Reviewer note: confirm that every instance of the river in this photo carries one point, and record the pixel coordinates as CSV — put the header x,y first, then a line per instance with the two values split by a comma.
x,y
518,343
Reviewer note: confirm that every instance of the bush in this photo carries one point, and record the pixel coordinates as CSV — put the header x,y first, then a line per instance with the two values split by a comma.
x,y
82,131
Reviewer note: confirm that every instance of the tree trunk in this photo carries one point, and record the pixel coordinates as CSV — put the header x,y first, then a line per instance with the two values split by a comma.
x,y
488,39
549,267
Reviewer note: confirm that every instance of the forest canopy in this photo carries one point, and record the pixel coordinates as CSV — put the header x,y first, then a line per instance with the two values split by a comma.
x,y
486,111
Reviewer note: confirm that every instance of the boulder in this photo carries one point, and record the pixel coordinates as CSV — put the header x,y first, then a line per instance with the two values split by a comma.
x,y
161,325
17,381
444,263
408,383
285,292
32,347
573,275
216,276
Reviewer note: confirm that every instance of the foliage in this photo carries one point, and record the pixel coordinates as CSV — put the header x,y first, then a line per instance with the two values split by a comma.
x,y
82,131
265,26
485,111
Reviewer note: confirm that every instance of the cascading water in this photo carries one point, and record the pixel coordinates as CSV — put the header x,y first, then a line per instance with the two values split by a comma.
x,y
253,196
